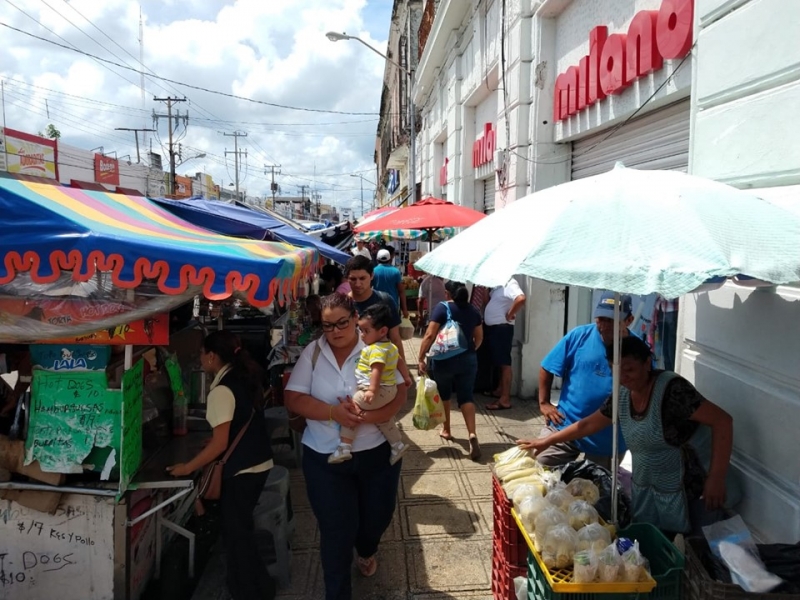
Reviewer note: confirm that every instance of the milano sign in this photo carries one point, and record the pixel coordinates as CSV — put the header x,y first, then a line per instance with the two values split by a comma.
x,y
616,60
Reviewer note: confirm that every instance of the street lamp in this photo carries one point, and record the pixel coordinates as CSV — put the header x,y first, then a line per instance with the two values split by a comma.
x,y
412,143
201,155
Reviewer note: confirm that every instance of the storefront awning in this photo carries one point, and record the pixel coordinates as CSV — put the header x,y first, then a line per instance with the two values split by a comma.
x,y
47,230
88,185
128,191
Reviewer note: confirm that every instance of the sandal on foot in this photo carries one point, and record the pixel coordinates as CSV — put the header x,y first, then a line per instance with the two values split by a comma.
x,y
498,406
367,566
474,448
446,436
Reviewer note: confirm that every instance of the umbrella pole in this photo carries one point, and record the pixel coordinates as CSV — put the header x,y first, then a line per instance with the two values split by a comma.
x,y
615,411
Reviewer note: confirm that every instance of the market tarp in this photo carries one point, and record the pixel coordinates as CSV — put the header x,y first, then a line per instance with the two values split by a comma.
x,y
48,229
239,221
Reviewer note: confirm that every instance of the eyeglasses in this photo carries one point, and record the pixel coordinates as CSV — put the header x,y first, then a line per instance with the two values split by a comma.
x,y
340,324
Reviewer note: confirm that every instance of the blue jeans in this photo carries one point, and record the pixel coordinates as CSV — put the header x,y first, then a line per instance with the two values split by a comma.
x,y
353,502
457,374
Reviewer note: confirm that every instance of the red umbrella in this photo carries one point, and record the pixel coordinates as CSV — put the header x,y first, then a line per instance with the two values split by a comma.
x,y
428,214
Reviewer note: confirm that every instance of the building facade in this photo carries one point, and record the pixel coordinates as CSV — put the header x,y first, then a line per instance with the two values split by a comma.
x,y
394,126
516,96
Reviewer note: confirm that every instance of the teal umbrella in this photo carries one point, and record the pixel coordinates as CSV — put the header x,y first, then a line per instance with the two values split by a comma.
x,y
629,231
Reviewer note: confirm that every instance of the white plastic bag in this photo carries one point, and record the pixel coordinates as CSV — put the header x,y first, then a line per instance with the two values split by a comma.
x,y
558,546
593,537
635,567
529,509
526,490
585,569
581,513
547,519
584,490
609,564
561,499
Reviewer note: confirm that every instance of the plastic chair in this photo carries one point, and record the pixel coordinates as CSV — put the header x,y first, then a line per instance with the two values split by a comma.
x,y
278,482
270,515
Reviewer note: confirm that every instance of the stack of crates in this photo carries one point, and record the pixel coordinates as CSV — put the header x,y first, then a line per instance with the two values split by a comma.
x,y
509,549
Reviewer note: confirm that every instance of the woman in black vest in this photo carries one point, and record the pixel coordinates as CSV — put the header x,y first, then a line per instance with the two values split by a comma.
x,y
234,396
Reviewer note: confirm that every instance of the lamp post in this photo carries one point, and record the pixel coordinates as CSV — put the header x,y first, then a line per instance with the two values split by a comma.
x,y
412,138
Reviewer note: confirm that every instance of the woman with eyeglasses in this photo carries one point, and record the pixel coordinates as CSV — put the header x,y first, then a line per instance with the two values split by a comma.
x,y
353,501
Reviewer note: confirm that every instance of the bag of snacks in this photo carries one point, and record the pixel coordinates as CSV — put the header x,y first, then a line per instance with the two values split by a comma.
x,y
559,498
581,513
585,569
609,564
558,546
635,567
584,490
593,537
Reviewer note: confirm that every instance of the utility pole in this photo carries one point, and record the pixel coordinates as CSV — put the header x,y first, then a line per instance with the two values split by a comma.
x,y
273,186
236,135
169,101
303,198
136,135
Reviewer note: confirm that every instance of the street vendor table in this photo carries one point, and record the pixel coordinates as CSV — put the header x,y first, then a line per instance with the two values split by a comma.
x,y
116,546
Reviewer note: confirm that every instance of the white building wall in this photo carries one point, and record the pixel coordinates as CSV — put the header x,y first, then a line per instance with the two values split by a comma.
x,y
77,163
742,347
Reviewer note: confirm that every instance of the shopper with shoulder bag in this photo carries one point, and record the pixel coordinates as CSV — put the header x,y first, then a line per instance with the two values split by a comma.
x,y
454,333
239,437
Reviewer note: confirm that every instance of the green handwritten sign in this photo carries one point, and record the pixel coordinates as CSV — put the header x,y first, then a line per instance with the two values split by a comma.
x,y
131,450
175,378
72,413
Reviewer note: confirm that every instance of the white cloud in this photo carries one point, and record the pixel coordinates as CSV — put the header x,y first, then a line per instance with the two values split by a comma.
x,y
273,51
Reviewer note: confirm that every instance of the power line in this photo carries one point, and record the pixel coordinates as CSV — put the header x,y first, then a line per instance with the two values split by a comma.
x,y
188,85
71,46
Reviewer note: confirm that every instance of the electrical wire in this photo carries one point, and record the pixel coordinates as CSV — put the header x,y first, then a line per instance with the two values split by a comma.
x,y
181,83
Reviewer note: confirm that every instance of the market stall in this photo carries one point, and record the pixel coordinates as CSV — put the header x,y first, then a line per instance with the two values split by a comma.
x,y
89,279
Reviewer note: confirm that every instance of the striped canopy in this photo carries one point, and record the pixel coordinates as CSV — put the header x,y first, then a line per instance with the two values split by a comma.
x,y
439,235
48,229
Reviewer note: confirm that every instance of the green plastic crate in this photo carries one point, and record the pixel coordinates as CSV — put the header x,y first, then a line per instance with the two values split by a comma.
x,y
666,567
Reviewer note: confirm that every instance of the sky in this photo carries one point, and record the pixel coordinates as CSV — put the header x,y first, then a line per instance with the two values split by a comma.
x,y
270,51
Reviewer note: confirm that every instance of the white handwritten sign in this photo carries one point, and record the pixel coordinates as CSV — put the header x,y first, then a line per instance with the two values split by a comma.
x,y
67,555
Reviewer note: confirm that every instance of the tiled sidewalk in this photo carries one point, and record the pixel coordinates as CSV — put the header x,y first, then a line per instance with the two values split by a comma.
x,y
439,545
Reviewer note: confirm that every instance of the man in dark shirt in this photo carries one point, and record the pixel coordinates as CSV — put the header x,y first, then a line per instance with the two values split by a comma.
x,y
358,272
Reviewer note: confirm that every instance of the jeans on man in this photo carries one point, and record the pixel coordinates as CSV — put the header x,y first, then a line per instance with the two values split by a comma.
x,y
353,502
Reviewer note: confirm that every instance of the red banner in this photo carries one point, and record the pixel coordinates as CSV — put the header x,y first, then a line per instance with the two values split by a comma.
x,y
106,169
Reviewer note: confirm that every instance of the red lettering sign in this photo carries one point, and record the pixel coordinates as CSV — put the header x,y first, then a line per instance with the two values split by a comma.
x,y
615,61
106,169
443,173
483,148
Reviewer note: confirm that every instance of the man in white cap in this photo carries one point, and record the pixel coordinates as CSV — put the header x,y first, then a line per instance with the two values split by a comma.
x,y
580,360
361,250
387,278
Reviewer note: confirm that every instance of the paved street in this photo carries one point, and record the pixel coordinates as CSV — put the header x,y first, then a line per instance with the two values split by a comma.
x,y
439,545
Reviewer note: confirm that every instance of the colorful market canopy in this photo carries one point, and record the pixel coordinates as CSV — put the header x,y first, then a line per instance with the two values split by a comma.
x,y
239,221
427,214
48,229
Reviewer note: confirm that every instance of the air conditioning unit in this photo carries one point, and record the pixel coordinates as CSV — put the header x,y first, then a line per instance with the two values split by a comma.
x,y
500,160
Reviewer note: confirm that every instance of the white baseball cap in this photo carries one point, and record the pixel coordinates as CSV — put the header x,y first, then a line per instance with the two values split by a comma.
x,y
383,256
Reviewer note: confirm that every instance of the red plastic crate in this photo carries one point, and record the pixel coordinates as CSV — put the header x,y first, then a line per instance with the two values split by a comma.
x,y
503,575
512,547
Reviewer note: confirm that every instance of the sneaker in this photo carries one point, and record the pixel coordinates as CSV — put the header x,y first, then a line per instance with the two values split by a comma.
x,y
474,448
398,449
341,454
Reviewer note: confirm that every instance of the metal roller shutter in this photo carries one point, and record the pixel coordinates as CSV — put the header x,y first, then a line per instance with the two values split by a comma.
x,y
488,195
658,140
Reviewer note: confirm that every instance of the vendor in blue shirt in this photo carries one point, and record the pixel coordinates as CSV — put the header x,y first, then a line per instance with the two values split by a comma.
x,y
580,360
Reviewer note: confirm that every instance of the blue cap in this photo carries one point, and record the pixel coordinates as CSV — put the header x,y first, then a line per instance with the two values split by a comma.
x,y
605,308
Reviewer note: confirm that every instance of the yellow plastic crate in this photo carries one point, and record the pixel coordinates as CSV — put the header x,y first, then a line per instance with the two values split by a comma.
x,y
560,580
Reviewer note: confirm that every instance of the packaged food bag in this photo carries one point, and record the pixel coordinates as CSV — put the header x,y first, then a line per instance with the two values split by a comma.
x,y
406,329
585,569
581,513
428,408
593,537
558,546
635,567
560,498
583,489
609,564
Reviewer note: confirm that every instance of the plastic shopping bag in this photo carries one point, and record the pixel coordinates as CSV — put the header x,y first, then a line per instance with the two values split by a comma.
x,y
406,329
428,408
